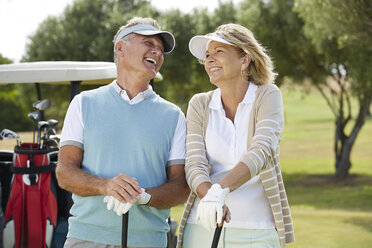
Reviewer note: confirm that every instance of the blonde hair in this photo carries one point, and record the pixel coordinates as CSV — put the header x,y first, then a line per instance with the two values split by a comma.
x,y
261,69
134,21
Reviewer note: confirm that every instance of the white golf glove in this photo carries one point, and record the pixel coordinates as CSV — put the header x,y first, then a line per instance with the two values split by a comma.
x,y
145,197
119,207
210,210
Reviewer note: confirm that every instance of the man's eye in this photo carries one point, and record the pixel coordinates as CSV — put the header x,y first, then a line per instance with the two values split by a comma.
x,y
207,55
219,51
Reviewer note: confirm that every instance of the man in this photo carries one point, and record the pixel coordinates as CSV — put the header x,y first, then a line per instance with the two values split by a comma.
x,y
124,142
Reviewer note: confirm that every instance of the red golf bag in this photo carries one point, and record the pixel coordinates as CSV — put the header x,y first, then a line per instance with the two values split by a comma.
x,y
31,211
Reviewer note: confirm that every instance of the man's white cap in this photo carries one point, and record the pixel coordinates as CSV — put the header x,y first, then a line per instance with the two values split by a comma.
x,y
198,45
147,29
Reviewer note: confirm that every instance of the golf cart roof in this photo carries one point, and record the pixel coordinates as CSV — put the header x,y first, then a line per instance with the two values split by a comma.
x,y
60,72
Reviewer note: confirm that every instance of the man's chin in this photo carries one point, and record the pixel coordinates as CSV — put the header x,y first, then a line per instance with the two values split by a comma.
x,y
152,75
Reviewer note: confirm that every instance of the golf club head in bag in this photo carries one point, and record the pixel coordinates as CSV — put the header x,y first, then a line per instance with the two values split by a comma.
x,y
52,123
41,104
9,134
35,116
42,125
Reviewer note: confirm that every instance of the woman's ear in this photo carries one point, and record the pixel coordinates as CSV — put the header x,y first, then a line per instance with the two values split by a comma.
x,y
246,61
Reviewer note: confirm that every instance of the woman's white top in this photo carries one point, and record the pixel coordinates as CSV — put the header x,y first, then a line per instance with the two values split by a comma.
x,y
226,142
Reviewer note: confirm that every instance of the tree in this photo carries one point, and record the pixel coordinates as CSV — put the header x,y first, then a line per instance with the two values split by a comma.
x,y
11,110
183,74
84,32
342,32
4,60
309,48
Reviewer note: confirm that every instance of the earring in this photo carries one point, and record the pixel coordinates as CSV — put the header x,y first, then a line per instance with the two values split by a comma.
x,y
244,74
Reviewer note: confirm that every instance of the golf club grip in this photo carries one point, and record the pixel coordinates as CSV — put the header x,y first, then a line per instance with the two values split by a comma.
x,y
216,237
124,230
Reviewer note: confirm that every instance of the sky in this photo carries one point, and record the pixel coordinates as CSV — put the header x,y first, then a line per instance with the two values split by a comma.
x,y
20,18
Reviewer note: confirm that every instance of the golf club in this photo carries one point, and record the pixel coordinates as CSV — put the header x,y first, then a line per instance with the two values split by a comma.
x,y
50,143
46,139
51,129
41,104
124,230
55,137
42,126
35,117
9,134
216,236
52,122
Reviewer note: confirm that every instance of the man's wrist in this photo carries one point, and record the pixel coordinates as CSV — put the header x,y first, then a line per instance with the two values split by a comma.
x,y
145,198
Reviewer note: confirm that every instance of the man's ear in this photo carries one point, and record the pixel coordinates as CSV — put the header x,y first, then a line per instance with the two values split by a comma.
x,y
120,48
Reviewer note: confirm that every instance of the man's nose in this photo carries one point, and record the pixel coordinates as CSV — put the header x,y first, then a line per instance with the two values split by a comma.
x,y
157,51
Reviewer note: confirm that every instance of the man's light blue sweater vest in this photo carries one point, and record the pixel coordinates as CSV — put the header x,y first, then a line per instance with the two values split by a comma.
x,y
130,139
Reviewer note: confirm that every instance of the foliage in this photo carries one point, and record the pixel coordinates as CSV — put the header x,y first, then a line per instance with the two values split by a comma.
x,y
11,110
13,115
4,60
184,75
84,32
303,52
281,32
346,51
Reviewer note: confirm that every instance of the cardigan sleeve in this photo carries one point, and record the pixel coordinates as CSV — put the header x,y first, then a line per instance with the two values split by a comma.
x,y
269,121
197,167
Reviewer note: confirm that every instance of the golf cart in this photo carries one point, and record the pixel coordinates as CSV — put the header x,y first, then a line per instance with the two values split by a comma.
x,y
40,73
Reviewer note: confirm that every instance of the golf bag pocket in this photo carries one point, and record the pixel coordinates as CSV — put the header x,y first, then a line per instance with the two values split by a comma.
x,y
32,205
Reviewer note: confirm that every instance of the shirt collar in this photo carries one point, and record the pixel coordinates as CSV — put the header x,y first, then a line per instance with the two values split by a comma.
x,y
138,98
249,97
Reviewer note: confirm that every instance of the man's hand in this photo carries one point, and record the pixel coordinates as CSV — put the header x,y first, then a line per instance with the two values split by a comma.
x,y
123,188
119,207
210,210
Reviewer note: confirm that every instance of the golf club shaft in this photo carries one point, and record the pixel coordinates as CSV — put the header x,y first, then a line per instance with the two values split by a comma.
x,y
124,230
216,237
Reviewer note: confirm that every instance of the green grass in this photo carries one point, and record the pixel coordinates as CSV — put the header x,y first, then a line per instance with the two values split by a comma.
x,y
327,212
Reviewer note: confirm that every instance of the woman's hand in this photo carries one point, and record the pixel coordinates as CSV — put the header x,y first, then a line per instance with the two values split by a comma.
x,y
210,210
226,215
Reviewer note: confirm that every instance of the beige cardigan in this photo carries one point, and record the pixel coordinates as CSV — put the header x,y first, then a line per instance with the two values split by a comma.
x,y
262,156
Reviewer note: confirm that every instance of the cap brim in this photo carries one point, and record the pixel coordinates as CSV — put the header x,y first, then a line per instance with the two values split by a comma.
x,y
167,38
198,44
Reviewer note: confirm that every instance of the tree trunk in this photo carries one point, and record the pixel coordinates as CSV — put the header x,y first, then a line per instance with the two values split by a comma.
x,y
343,163
344,143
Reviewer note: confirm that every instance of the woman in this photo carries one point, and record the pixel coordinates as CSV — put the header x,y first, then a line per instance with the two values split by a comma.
x,y
233,135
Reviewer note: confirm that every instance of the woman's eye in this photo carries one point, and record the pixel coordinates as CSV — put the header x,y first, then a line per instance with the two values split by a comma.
x,y
207,55
219,51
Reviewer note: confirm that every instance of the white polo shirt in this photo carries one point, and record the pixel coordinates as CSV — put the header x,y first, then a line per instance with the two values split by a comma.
x,y
226,142
73,127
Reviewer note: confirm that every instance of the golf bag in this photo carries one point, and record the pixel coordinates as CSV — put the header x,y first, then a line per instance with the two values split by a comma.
x,y
31,211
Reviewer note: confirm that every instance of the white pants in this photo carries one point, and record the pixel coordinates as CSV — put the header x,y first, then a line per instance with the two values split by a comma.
x,y
197,236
